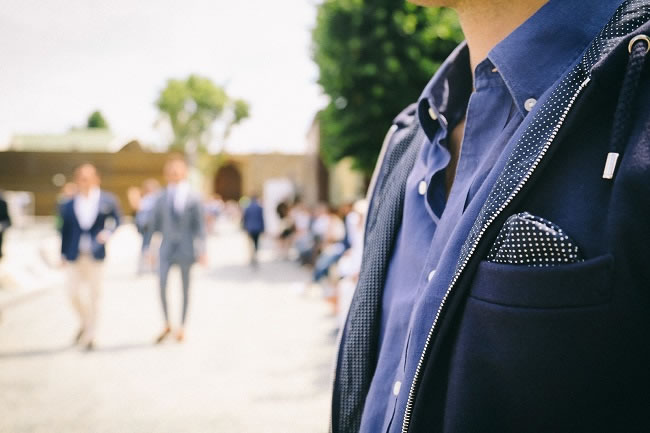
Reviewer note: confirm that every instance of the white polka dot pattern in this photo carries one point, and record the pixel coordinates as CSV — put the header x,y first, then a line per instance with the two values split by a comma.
x,y
530,240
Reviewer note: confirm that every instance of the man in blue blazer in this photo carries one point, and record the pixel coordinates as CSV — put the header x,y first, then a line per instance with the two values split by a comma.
x,y
88,220
505,284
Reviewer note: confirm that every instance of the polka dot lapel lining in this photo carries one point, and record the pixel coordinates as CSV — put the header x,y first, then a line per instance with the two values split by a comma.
x,y
529,240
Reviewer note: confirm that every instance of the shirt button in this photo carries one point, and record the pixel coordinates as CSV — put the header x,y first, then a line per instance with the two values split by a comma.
x,y
396,387
530,103
431,274
422,187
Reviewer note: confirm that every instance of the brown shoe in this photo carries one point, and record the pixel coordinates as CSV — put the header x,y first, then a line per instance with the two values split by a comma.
x,y
90,346
180,335
163,335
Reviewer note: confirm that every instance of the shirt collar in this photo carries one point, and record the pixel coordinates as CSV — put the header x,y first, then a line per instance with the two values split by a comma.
x,y
178,185
93,196
530,60
538,52
445,97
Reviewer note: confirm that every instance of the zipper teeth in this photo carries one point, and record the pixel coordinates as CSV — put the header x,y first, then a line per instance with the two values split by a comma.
x,y
409,403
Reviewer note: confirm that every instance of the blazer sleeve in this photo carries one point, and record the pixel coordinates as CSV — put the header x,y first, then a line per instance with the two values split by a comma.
x,y
116,213
65,226
199,227
5,218
155,221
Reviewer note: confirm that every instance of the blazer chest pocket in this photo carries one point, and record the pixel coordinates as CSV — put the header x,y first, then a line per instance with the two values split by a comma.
x,y
578,284
536,347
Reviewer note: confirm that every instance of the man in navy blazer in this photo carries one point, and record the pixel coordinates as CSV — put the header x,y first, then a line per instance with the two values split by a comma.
x,y
253,223
88,220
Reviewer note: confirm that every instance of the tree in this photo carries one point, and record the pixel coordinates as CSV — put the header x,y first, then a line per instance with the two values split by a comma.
x,y
374,57
192,107
96,120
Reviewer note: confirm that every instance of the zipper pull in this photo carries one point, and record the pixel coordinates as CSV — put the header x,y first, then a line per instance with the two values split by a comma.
x,y
610,165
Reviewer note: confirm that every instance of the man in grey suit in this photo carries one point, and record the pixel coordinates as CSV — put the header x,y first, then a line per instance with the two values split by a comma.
x,y
178,216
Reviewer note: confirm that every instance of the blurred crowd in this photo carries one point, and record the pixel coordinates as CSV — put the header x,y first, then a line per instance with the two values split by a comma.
x,y
328,241
173,222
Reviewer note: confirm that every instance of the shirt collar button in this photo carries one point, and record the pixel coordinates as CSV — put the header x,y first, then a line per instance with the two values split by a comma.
x,y
422,187
530,103
433,114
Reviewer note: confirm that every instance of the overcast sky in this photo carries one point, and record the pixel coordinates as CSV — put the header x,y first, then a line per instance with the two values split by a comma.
x,y
60,60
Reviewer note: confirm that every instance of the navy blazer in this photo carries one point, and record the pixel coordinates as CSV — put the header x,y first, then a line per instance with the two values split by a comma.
x,y
253,219
513,348
108,218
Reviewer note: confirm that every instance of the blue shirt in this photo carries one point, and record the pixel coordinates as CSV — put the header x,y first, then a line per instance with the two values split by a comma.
x,y
518,71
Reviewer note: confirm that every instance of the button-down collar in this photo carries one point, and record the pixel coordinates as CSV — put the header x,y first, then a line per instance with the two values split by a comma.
x,y
434,106
529,60
538,52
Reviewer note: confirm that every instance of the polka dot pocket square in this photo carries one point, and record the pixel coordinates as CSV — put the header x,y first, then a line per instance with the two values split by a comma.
x,y
530,240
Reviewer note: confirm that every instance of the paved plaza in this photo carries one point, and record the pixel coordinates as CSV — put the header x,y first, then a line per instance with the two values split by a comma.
x,y
257,357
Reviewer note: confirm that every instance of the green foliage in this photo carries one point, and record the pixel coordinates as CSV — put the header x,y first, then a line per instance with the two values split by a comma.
x,y
375,57
240,111
96,120
192,107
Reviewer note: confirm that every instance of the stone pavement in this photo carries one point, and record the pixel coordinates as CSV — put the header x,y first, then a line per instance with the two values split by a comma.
x,y
257,357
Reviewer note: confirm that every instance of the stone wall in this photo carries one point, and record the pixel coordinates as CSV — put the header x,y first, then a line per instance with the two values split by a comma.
x,y
35,171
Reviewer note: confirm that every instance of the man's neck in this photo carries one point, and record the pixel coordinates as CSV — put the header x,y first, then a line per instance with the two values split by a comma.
x,y
487,22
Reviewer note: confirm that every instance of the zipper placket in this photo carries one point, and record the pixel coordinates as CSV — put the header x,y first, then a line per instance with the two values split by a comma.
x,y
411,397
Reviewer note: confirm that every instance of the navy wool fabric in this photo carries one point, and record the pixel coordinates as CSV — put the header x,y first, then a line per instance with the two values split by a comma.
x,y
108,218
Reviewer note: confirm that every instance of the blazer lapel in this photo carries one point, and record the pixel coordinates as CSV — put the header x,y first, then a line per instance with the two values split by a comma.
x,y
69,208
102,205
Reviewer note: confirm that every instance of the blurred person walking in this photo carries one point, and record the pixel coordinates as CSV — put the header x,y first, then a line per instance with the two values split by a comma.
x,y
253,223
87,222
5,220
286,229
178,216
143,218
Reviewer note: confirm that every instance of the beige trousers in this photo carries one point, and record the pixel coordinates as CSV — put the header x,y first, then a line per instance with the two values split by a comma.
x,y
84,281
